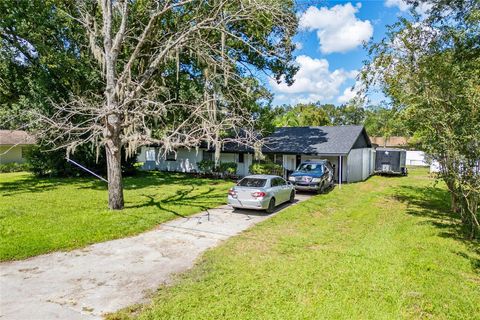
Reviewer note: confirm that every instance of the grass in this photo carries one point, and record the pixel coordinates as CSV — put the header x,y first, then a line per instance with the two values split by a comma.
x,y
43,215
386,248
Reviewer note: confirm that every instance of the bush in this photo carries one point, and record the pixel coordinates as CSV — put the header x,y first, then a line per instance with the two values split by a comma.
x,y
266,168
223,169
206,166
44,162
228,168
13,167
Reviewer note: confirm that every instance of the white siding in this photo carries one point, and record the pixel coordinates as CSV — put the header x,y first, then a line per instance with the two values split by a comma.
x,y
11,154
289,161
416,158
359,164
186,160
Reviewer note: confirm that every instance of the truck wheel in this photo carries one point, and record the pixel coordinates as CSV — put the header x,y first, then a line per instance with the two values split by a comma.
x,y
322,187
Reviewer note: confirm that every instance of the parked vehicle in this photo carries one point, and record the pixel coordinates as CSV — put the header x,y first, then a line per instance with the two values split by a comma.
x,y
313,175
391,161
261,192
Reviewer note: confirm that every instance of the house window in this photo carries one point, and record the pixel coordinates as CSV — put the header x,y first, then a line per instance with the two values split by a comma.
x,y
150,155
207,155
241,158
171,156
279,159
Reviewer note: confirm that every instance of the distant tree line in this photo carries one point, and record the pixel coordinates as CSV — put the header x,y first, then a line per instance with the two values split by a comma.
x,y
378,120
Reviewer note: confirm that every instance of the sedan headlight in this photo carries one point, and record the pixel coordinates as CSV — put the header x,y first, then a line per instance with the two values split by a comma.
x,y
291,179
316,180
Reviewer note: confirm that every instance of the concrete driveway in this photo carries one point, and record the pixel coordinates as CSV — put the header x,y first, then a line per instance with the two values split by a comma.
x,y
105,277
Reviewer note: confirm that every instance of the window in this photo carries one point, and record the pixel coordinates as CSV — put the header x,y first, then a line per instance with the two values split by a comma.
x,y
171,156
269,157
207,155
150,155
278,182
311,167
279,159
241,158
252,182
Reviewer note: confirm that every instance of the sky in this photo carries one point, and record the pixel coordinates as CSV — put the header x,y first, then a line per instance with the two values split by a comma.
x,y
330,49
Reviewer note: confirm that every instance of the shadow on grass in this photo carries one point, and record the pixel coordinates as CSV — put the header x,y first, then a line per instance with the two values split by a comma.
x,y
32,184
434,205
182,198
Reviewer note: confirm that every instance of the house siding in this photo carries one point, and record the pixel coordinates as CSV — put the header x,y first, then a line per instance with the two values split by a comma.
x,y
9,154
186,160
360,164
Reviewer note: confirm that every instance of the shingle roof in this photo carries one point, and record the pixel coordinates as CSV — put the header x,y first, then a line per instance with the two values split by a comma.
x,y
338,140
14,137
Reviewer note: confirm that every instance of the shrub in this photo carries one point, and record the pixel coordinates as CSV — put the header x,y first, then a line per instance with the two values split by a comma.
x,y
206,166
228,168
224,169
266,168
13,167
44,162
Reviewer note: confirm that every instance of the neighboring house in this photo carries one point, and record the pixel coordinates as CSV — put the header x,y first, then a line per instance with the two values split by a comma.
x,y
391,142
348,148
13,144
413,158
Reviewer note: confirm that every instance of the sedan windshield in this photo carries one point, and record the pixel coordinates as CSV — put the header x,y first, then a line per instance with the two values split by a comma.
x,y
310,167
252,182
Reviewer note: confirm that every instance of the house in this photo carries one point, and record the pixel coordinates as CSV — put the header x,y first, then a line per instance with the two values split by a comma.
x,y
348,148
413,157
390,142
13,144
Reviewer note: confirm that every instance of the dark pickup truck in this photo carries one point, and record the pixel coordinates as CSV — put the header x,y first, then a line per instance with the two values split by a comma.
x,y
313,175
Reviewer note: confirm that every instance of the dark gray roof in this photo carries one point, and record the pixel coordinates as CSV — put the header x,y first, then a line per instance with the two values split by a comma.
x,y
335,140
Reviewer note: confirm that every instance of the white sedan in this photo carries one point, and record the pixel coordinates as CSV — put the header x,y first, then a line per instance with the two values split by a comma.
x,y
261,192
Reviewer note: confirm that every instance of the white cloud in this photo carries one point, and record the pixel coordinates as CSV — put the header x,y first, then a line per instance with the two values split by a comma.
x,y
350,93
338,29
402,5
313,82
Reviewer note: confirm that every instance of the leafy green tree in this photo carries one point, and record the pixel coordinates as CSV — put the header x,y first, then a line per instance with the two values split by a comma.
x,y
302,115
431,71
385,122
168,72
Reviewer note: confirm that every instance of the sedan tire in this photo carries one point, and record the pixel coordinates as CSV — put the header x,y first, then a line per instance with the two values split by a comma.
x,y
292,197
271,206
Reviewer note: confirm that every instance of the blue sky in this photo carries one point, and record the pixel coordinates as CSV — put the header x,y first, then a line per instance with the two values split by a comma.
x,y
330,51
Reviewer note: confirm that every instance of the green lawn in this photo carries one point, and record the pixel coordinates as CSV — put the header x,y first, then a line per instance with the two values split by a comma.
x,y
43,215
382,249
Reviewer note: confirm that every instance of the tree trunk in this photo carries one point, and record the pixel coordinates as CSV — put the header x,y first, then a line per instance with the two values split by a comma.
x,y
114,173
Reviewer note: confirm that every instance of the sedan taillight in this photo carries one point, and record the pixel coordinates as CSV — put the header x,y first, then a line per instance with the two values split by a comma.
x,y
232,193
258,194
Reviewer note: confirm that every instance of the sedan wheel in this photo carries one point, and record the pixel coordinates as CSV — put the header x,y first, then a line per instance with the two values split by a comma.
x,y
271,206
292,197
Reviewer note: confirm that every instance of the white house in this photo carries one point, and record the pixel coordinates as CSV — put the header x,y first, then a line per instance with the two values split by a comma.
x,y
348,148
13,144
